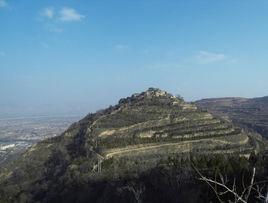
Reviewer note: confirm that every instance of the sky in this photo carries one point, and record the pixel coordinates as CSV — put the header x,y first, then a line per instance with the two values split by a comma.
x,y
77,56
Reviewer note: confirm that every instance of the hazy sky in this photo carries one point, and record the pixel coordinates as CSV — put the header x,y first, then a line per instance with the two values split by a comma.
x,y
76,56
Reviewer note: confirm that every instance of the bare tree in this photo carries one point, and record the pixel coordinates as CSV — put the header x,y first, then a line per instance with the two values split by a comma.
x,y
260,193
178,96
136,190
221,183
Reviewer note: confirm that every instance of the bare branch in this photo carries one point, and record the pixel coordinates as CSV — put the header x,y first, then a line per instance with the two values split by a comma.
x,y
244,196
215,191
239,198
251,184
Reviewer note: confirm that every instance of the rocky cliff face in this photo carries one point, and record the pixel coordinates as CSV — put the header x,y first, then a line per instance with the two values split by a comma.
x,y
138,134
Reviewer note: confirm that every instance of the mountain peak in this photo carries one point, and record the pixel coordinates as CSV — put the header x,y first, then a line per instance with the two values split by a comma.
x,y
155,92
142,132
150,94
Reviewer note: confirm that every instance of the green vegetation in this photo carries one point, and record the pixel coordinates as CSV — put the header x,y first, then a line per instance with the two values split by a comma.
x,y
148,136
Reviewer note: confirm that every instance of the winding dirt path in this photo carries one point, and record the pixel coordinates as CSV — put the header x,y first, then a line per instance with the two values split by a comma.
x,y
138,148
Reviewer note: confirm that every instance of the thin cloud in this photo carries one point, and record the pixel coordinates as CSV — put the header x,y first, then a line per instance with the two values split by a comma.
x,y
48,12
205,57
44,45
54,28
2,53
121,47
53,18
67,14
3,4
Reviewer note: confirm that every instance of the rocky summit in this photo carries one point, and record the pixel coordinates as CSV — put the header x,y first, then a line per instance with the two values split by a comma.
x,y
140,133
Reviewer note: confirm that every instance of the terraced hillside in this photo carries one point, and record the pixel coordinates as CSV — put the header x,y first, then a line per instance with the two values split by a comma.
x,y
137,134
249,113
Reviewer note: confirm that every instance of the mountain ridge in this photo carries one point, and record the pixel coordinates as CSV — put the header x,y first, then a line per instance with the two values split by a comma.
x,y
136,135
247,113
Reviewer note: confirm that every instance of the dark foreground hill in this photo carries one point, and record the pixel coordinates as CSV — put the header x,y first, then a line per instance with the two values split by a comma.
x,y
249,113
140,150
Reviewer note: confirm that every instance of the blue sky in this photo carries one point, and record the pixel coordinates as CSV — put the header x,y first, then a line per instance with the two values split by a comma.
x,y
76,56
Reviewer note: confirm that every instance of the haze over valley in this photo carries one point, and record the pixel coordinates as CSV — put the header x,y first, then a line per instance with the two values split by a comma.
x,y
17,134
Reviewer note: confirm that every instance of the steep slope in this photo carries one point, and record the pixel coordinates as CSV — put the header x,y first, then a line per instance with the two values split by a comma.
x,y
136,135
250,113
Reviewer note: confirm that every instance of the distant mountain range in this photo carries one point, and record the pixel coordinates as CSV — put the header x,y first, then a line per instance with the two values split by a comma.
x,y
248,113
